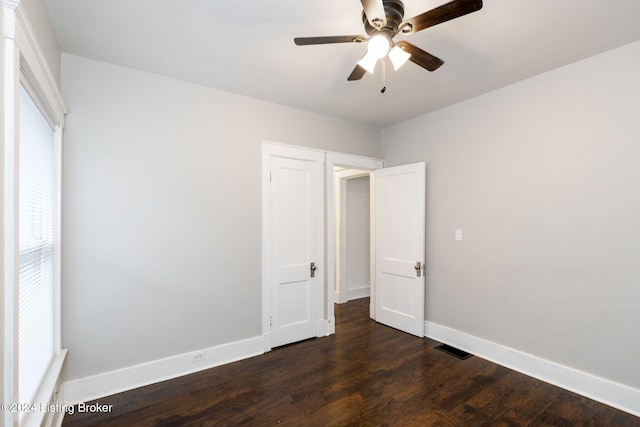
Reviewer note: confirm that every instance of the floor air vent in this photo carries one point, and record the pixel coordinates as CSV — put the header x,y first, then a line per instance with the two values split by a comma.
x,y
454,351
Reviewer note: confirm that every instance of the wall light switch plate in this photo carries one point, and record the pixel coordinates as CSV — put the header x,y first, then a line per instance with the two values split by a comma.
x,y
458,235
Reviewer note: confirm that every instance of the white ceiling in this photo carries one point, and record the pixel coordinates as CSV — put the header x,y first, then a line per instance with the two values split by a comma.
x,y
246,47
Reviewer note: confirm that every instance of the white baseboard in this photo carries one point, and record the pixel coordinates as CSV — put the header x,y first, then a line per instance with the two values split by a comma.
x,y
602,390
108,383
266,342
362,292
325,327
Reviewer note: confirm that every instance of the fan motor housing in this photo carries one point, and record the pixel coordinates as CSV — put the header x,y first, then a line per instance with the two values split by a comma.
x,y
394,11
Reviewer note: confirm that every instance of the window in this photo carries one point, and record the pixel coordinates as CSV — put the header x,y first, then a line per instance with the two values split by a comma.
x,y
36,234
33,119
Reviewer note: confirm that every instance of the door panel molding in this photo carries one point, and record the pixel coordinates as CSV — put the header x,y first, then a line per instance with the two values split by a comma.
x,y
400,247
294,169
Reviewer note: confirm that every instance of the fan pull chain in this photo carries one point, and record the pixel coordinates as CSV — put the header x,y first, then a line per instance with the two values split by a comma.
x,y
384,77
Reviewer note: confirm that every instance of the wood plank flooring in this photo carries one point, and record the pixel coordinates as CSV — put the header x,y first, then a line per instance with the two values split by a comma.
x,y
364,375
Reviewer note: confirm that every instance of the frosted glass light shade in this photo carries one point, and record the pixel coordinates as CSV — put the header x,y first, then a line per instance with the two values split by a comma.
x,y
398,57
368,62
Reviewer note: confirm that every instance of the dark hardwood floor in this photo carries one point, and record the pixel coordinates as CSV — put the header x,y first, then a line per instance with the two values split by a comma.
x,y
364,375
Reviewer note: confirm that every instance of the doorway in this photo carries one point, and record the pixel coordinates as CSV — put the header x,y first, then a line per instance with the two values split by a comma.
x,y
352,231
359,167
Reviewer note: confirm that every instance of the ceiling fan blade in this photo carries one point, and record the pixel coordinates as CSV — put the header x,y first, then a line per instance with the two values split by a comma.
x,y
440,14
357,73
374,9
303,41
420,57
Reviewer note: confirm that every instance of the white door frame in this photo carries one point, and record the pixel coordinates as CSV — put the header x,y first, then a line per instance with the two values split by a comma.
x,y
355,162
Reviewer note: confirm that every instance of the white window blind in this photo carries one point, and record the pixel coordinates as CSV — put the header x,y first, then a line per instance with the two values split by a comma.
x,y
37,211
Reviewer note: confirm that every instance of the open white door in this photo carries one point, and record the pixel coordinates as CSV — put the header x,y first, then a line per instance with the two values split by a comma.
x,y
400,247
296,249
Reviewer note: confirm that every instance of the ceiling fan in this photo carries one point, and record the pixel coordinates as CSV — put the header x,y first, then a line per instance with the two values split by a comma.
x,y
383,20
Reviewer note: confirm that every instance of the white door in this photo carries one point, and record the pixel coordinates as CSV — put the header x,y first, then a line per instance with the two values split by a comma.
x,y
400,247
296,249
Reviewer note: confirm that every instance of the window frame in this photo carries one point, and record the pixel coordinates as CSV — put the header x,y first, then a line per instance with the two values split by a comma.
x,y
25,63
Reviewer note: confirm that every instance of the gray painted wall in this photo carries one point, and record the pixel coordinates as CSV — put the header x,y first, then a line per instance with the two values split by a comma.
x,y
162,211
543,178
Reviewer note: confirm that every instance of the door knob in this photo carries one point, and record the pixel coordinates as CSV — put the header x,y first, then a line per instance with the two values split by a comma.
x,y
313,269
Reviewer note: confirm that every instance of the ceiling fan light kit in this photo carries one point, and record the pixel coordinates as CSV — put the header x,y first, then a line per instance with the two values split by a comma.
x,y
368,62
379,45
383,20
398,57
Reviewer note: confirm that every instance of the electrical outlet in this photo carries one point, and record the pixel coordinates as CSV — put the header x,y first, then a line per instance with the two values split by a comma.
x,y
197,356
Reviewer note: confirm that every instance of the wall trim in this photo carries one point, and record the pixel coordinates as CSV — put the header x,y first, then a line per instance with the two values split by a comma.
x,y
610,393
120,380
34,63
360,292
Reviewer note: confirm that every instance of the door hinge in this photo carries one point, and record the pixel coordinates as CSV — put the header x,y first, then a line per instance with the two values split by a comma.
x,y
270,321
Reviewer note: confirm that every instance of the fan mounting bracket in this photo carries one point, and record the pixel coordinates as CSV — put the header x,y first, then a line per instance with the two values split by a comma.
x,y
394,13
